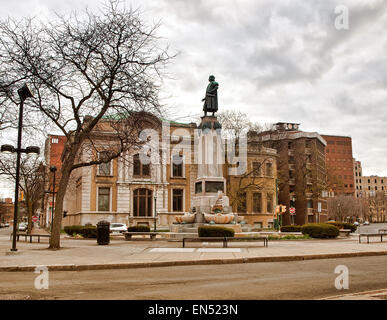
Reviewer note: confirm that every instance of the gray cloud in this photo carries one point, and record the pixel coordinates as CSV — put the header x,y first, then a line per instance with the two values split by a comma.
x,y
275,60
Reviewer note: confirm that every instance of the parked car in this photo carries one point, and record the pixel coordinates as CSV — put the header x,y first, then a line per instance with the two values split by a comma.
x,y
6,225
2,225
356,223
22,226
118,227
366,223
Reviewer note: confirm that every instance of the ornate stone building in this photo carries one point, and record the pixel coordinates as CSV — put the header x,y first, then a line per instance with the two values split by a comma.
x,y
131,191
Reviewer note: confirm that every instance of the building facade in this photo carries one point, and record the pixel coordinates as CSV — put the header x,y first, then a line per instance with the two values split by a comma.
x,y
54,146
131,191
301,170
6,210
339,164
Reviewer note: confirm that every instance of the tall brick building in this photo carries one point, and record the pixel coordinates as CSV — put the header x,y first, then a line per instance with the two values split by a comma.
x,y
54,146
301,172
339,162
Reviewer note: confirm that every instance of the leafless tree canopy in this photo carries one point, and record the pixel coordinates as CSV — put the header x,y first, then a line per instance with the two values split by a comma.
x,y
106,66
31,181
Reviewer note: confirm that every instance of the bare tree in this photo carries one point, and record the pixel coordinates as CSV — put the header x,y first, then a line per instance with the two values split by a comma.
x,y
106,66
347,208
31,181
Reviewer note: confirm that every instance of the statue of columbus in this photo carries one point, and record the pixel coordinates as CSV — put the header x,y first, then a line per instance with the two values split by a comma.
x,y
211,98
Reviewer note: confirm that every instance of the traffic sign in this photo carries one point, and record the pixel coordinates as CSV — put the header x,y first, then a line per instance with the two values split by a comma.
x,y
35,219
292,210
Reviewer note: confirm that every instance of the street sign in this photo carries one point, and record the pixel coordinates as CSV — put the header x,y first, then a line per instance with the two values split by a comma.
x,y
292,210
35,219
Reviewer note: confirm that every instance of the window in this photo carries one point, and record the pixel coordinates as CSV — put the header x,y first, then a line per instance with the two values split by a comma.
x,y
177,195
139,169
242,203
142,202
256,169
269,202
214,186
103,199
257,202
54,140
198,187
309,204
290,145
269,169
104,168
177,166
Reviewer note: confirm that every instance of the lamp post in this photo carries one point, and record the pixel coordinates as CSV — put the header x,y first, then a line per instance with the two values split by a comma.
x,y
23,93
155,216
53,170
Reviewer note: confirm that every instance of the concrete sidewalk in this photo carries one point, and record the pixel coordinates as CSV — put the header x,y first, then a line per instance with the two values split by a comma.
x,y
88,255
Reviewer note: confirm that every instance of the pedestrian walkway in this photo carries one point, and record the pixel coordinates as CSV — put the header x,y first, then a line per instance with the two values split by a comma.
x,y
79,254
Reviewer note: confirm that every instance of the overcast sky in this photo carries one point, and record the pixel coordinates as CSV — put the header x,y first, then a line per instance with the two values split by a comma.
x,y
276,60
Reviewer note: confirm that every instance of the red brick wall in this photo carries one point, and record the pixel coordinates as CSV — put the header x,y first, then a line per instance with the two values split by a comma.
x,y
339,162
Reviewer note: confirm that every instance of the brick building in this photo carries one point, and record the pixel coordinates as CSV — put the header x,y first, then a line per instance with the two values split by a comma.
x,y
53,150
6,210
339,162
301,172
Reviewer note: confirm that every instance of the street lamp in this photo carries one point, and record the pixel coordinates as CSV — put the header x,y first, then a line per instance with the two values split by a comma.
x,y
53,170
155,216
24,93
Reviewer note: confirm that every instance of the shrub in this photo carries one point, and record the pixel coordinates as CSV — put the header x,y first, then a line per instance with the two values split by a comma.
x,y
344,225
140,228
210,231
85,231
291,228
320,230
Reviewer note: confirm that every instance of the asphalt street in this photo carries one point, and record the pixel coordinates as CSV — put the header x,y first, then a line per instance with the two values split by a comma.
x,y
313,279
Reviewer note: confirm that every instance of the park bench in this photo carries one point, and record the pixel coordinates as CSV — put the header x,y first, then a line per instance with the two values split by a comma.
x,y
25,235
344,232
224,240
128,235
368,235
382,230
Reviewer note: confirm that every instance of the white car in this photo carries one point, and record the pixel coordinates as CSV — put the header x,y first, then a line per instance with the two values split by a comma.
x,y
366,223
22,226
118,227
356,223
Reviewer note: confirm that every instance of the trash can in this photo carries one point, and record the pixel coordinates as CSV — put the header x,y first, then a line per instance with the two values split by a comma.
x,y
103,232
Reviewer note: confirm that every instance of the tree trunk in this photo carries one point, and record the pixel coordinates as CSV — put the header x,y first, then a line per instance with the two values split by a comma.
x,y
58,213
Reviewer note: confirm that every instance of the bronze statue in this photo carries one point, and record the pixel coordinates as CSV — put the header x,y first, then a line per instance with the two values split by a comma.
x,y
211,98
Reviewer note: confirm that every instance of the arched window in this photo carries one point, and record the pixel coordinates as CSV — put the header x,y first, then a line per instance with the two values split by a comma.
x,y
142,202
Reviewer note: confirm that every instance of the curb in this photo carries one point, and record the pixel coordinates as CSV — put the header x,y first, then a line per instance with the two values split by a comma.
x,y
133,265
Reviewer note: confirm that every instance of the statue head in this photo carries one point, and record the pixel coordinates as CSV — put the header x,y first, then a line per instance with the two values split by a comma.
x,y
211,78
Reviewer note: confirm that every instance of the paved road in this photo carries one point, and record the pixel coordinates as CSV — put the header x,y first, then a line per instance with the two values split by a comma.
x,y
313,279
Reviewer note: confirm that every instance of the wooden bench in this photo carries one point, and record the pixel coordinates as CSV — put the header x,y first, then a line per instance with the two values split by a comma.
x,y
128,235
368,235
224,240
345,232
25,235
382,230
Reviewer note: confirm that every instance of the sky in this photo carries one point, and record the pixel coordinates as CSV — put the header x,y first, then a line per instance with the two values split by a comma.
x,y
303,61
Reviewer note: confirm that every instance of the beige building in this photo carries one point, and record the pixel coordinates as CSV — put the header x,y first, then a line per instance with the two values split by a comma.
x,y
368,185
126,190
